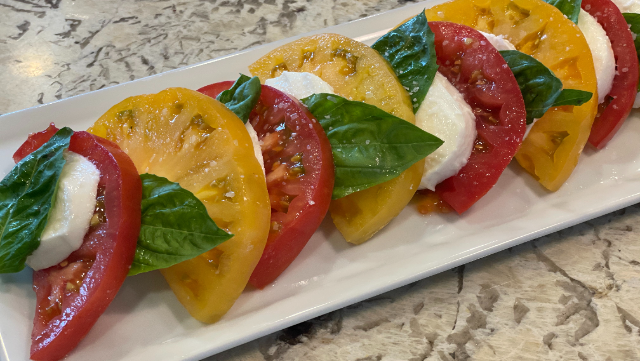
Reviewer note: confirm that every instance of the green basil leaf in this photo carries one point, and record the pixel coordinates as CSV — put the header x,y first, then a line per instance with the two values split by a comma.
x,y
634,25
412,55
570,8
369,145
539,86
175,226
27,194
242,96
572,97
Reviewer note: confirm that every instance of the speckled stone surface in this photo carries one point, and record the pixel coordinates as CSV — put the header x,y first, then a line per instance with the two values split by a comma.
x,y
573,295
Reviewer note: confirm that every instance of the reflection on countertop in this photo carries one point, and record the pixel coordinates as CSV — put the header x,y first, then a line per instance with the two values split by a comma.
x,y
572,295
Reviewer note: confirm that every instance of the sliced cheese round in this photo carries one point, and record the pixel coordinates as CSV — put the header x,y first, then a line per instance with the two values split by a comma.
x,y
498,41
600,46
70,216
299,85
445,114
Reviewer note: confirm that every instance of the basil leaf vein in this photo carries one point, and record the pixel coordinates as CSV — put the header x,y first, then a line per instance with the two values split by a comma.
x,y
369,145
242,97
633,20
572,97
411,52
570,8
27,195
175,226
539,86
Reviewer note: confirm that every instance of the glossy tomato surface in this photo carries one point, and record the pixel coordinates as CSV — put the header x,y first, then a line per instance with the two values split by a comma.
x,y
487,84
618,103
299,171
73,294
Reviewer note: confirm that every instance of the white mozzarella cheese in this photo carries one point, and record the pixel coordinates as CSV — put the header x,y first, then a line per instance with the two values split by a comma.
x,y
71,214
445,114
498,41
600,46
627,6
256,144
299,85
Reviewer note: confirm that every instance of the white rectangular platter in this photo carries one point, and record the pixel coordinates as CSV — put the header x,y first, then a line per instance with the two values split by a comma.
x,y
146,322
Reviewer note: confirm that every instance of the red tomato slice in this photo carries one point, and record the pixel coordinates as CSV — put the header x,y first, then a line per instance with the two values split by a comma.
x,y
487,84
72,295
618,103
299,169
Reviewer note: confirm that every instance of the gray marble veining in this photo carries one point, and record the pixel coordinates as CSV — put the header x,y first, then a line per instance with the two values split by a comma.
x,y
573,295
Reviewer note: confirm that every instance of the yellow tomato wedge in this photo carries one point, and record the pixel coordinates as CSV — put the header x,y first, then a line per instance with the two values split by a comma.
x,y
551,150
356,72
196,141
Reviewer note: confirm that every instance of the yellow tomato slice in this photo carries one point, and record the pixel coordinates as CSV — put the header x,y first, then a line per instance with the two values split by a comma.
x,y
196,141
356,72
551,150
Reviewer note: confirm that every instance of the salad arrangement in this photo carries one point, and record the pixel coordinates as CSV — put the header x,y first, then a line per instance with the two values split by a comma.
x,y
225,186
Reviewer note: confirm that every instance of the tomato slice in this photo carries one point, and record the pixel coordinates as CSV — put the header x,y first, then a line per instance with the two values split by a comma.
x,y
299,170
73,294
194,140
618,103
356,72
483,78
551,150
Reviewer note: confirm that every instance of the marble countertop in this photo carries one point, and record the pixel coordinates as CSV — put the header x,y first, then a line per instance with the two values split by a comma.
x,y
573,295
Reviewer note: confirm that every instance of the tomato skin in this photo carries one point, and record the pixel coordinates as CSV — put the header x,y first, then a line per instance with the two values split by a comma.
x,y
313,195
489,87
33,142
625,83
104,257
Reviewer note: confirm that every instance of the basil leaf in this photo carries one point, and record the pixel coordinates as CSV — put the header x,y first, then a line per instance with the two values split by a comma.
x,y
539,86
572,97
175,226
570,8
411,52
27,194
242,96
369,145
634,25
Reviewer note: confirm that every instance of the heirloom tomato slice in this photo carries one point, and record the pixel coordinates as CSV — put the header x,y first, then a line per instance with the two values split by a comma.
x,y
551,150
356,72
618,103
299,171
194,140
72,295
487,84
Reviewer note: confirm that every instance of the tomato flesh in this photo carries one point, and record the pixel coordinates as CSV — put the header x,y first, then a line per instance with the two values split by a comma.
x,y
73,294
618,103
483,78
299,172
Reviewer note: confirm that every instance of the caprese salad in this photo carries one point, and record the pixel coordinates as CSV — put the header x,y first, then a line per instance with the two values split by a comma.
x,y
224,186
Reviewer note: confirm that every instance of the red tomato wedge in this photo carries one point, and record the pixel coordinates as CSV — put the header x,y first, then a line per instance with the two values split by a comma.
x,y
487,84
73,294
618,103
299,171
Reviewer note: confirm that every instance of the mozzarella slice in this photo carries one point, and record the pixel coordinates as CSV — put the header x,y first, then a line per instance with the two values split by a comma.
x,y
71,214
600,46
498,41
299,85
256,144
445,114
627,6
